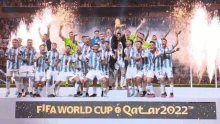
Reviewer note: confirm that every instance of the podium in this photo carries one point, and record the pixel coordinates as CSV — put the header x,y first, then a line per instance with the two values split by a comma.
x,y
189,105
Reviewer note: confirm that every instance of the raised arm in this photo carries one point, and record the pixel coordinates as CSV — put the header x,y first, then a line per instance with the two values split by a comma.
x,y
142,23
147,34
60,33
177,40
165,35
48,31
41,36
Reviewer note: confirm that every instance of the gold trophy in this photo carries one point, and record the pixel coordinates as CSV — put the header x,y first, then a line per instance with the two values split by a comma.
x,y
117,23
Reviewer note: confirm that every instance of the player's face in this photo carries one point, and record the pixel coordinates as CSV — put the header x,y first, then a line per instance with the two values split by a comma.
x,y
87,40
96,34
53,46
108,32
154,37
67,49
14,43
128,33
83,39
44,37
19,41
102,37
106,45
138,45
30,43
152,46
96,47
164,43
118,36
128,43
42,48
78,49
71,34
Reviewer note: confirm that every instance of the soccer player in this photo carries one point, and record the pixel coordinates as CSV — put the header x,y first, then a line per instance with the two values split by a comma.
x,y
40,75
94,59
12,67
66,70
139,66
167,64
131,56
96,38
119,65
21,49
71,42
154,68
108,35
85,49
52,72
46,38
106,53
27,60
79,71
102,42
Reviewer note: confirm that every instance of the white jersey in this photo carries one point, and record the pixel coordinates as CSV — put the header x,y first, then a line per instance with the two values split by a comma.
x,y
131,52
41,63
106,57
28,53
66,62
157,65
166,58
52,56
79,63
14,64
140,63
85,50
95,60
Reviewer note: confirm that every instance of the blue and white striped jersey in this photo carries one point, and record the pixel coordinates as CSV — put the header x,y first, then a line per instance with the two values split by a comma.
x,y
158,43
166,58
131,52
106,57
52,56
21,50
95,60
109,39
79,63
66,62
28,53
41,64
157,65
12,52
140,63
85,50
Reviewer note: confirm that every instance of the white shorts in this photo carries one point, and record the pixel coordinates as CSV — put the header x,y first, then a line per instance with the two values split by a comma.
x,y
145,72
12,72
52,73
92,74
27,71
140,73
131,72
63,76
168,72
78,74
120,65
40,76
158,74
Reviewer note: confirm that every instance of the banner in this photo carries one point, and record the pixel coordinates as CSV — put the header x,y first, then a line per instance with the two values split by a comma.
x,y
117,109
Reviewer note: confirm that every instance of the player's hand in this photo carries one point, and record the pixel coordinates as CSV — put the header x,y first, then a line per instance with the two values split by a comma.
x,y
75,34
126,58
177,49
48,26
61,26
132,57
40,56
143,21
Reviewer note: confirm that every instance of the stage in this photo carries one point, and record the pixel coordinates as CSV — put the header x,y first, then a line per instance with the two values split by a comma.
x,y
14,111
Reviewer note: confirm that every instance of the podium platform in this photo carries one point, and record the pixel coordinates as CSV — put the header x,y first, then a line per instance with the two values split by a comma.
x,y
189,106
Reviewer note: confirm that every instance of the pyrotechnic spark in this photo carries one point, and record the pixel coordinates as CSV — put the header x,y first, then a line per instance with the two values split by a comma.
x,y
54,16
